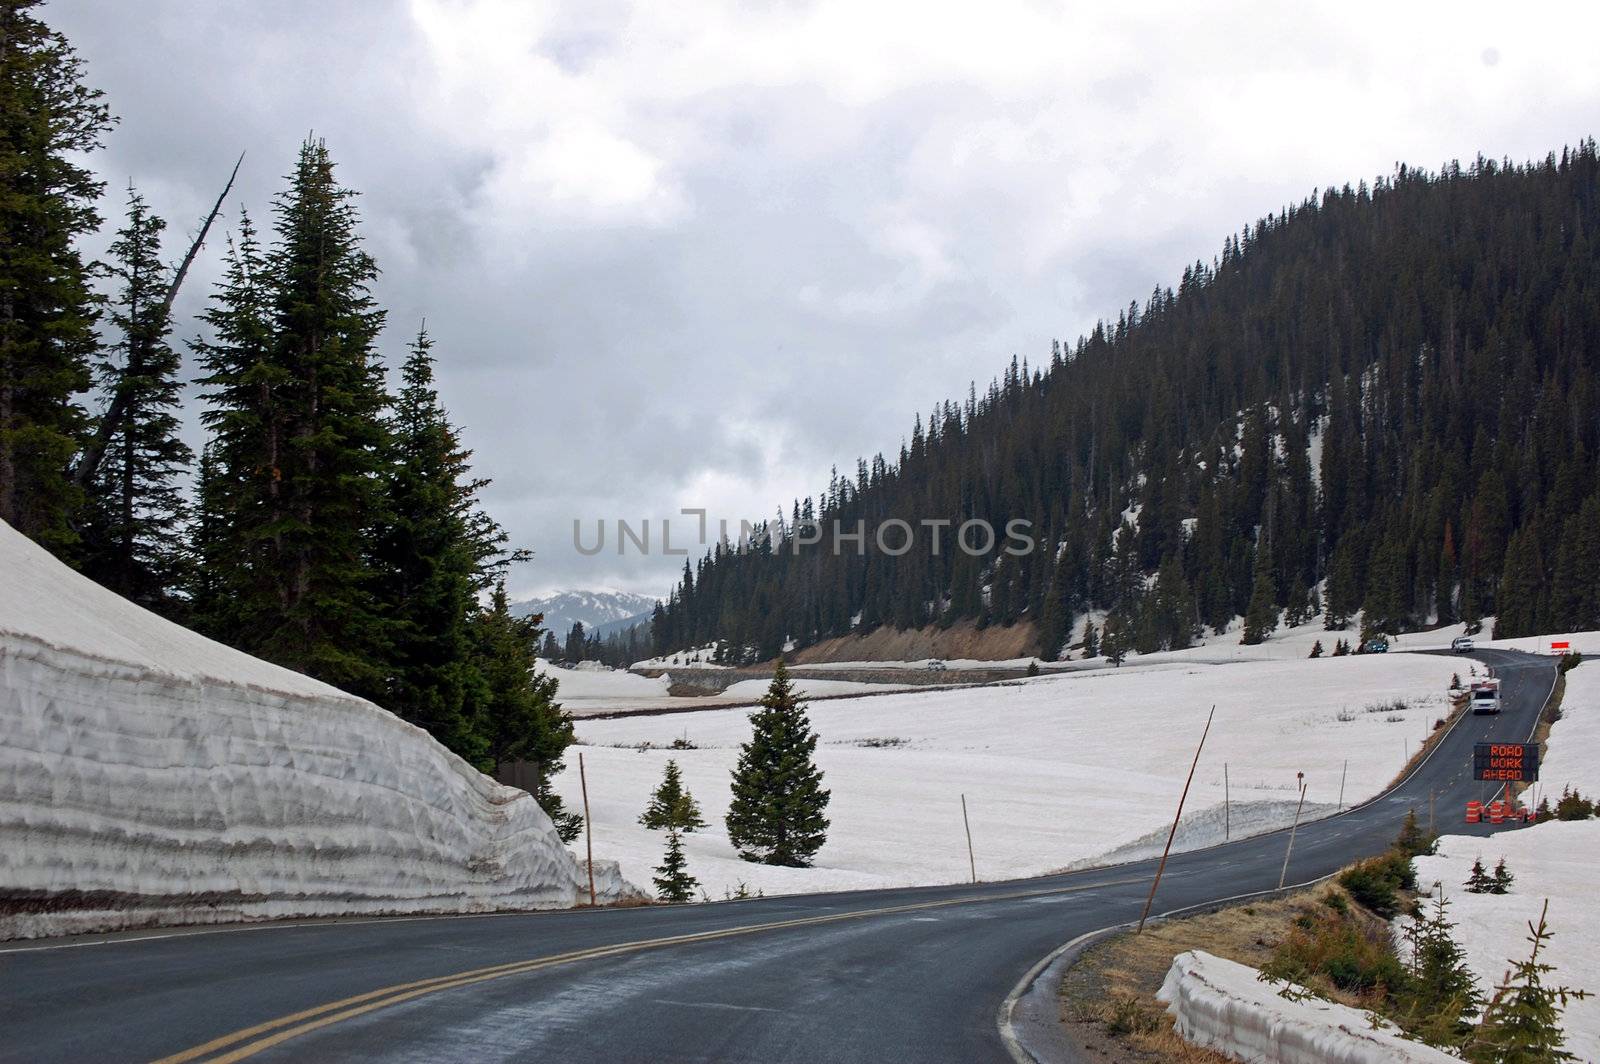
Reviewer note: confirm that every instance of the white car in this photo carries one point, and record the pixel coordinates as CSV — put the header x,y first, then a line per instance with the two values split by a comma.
x,y
935,666
1462,644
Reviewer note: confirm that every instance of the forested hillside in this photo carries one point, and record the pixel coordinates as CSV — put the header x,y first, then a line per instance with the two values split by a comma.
x,y
1391,389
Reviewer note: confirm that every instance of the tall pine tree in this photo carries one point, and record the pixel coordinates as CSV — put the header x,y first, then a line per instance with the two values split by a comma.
x,y
136,509
49,119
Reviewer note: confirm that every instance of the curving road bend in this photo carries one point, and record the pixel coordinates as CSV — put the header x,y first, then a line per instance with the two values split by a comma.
x,y
896,975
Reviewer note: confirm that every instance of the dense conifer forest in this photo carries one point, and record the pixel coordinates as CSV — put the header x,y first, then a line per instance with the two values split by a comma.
x,y
1379,402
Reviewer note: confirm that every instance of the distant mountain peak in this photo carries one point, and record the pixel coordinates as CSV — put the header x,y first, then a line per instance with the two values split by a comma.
x,y
597,608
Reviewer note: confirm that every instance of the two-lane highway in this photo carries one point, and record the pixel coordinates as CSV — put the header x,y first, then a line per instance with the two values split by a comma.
x,y
912,975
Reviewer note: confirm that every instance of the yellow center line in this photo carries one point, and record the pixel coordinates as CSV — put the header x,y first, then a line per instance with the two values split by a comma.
x,y
305,1021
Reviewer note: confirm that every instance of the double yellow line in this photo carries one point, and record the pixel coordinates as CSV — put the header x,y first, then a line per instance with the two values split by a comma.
x,y
249,1041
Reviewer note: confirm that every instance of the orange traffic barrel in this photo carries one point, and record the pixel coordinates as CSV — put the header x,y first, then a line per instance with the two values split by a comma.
x,y
1474,812
1497,812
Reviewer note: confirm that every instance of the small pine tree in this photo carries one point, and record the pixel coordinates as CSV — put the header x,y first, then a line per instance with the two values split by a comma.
x,y
1478,880
1522,1021
1573,806
777,815
1261,618
1115,639
1340,648
673,881
1091,640
672,806
1413,841
1316,649
1502,878
1440,997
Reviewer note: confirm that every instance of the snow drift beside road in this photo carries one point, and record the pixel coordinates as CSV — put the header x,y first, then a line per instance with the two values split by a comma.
x,y
1223,1005
149,775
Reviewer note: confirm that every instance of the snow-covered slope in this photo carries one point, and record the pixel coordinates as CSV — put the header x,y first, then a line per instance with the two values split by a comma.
x,y
149,775
601,609
1552,862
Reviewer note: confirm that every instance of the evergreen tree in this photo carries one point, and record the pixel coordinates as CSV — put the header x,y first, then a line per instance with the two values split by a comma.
x,y
297,398
671,805
1091,640
1521,586
1575,592
437,552
777,815
575,642
672,879
1316,649
49,119
514,710
1261,620
1115,639
1522,1021
1478,880
136,511
1440,997
1502,878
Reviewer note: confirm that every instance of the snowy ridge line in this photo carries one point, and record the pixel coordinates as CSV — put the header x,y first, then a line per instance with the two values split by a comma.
x,y
151,776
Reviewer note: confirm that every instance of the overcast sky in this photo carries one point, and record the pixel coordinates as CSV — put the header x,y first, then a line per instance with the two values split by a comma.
x,y
693,254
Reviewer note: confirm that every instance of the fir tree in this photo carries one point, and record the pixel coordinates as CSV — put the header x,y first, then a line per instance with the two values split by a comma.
x,y
514,710
777,815
1261,620
1440,995
437,552
672,806
1115,638
49,119
1412,840
1316,649
297,388
672,879
1502,878
1478,880
1091,640
136,511
1522,1021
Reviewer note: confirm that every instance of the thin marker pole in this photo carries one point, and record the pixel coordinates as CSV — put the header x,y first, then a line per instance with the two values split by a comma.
x,y
1162,867
972,862
1345,772
1227,806
588,824
1295,827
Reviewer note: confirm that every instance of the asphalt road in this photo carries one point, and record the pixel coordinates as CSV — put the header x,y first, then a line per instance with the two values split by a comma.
x,y
896,975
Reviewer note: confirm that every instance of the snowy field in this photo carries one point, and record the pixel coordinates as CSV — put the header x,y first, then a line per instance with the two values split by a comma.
x,y
1555,861
182,781
1058,770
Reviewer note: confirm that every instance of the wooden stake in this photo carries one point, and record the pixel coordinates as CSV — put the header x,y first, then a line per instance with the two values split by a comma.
x,y
1295,827
1343,773
972,862
1162,867
588,824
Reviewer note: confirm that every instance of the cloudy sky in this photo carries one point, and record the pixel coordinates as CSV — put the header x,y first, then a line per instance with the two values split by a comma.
x,y
694,254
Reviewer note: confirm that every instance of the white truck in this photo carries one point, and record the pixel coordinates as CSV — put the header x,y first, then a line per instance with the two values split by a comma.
x,y
1485,696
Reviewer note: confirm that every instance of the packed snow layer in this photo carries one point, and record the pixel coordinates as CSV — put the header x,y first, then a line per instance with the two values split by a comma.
x,y
1554,861
149,775
1224,1006
1057,770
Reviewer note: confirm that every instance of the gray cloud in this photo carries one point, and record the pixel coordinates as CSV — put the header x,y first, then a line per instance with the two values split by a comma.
x,y
694,256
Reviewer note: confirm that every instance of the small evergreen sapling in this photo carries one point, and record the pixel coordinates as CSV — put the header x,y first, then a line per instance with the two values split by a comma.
x,y
672,806
1522,1022
1503,879
1316,649
1478,880
673,881
1440,995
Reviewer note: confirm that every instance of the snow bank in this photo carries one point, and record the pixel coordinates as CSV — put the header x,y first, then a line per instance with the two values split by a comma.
x,y
149,775
1554,861
1058,770
1224,1006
